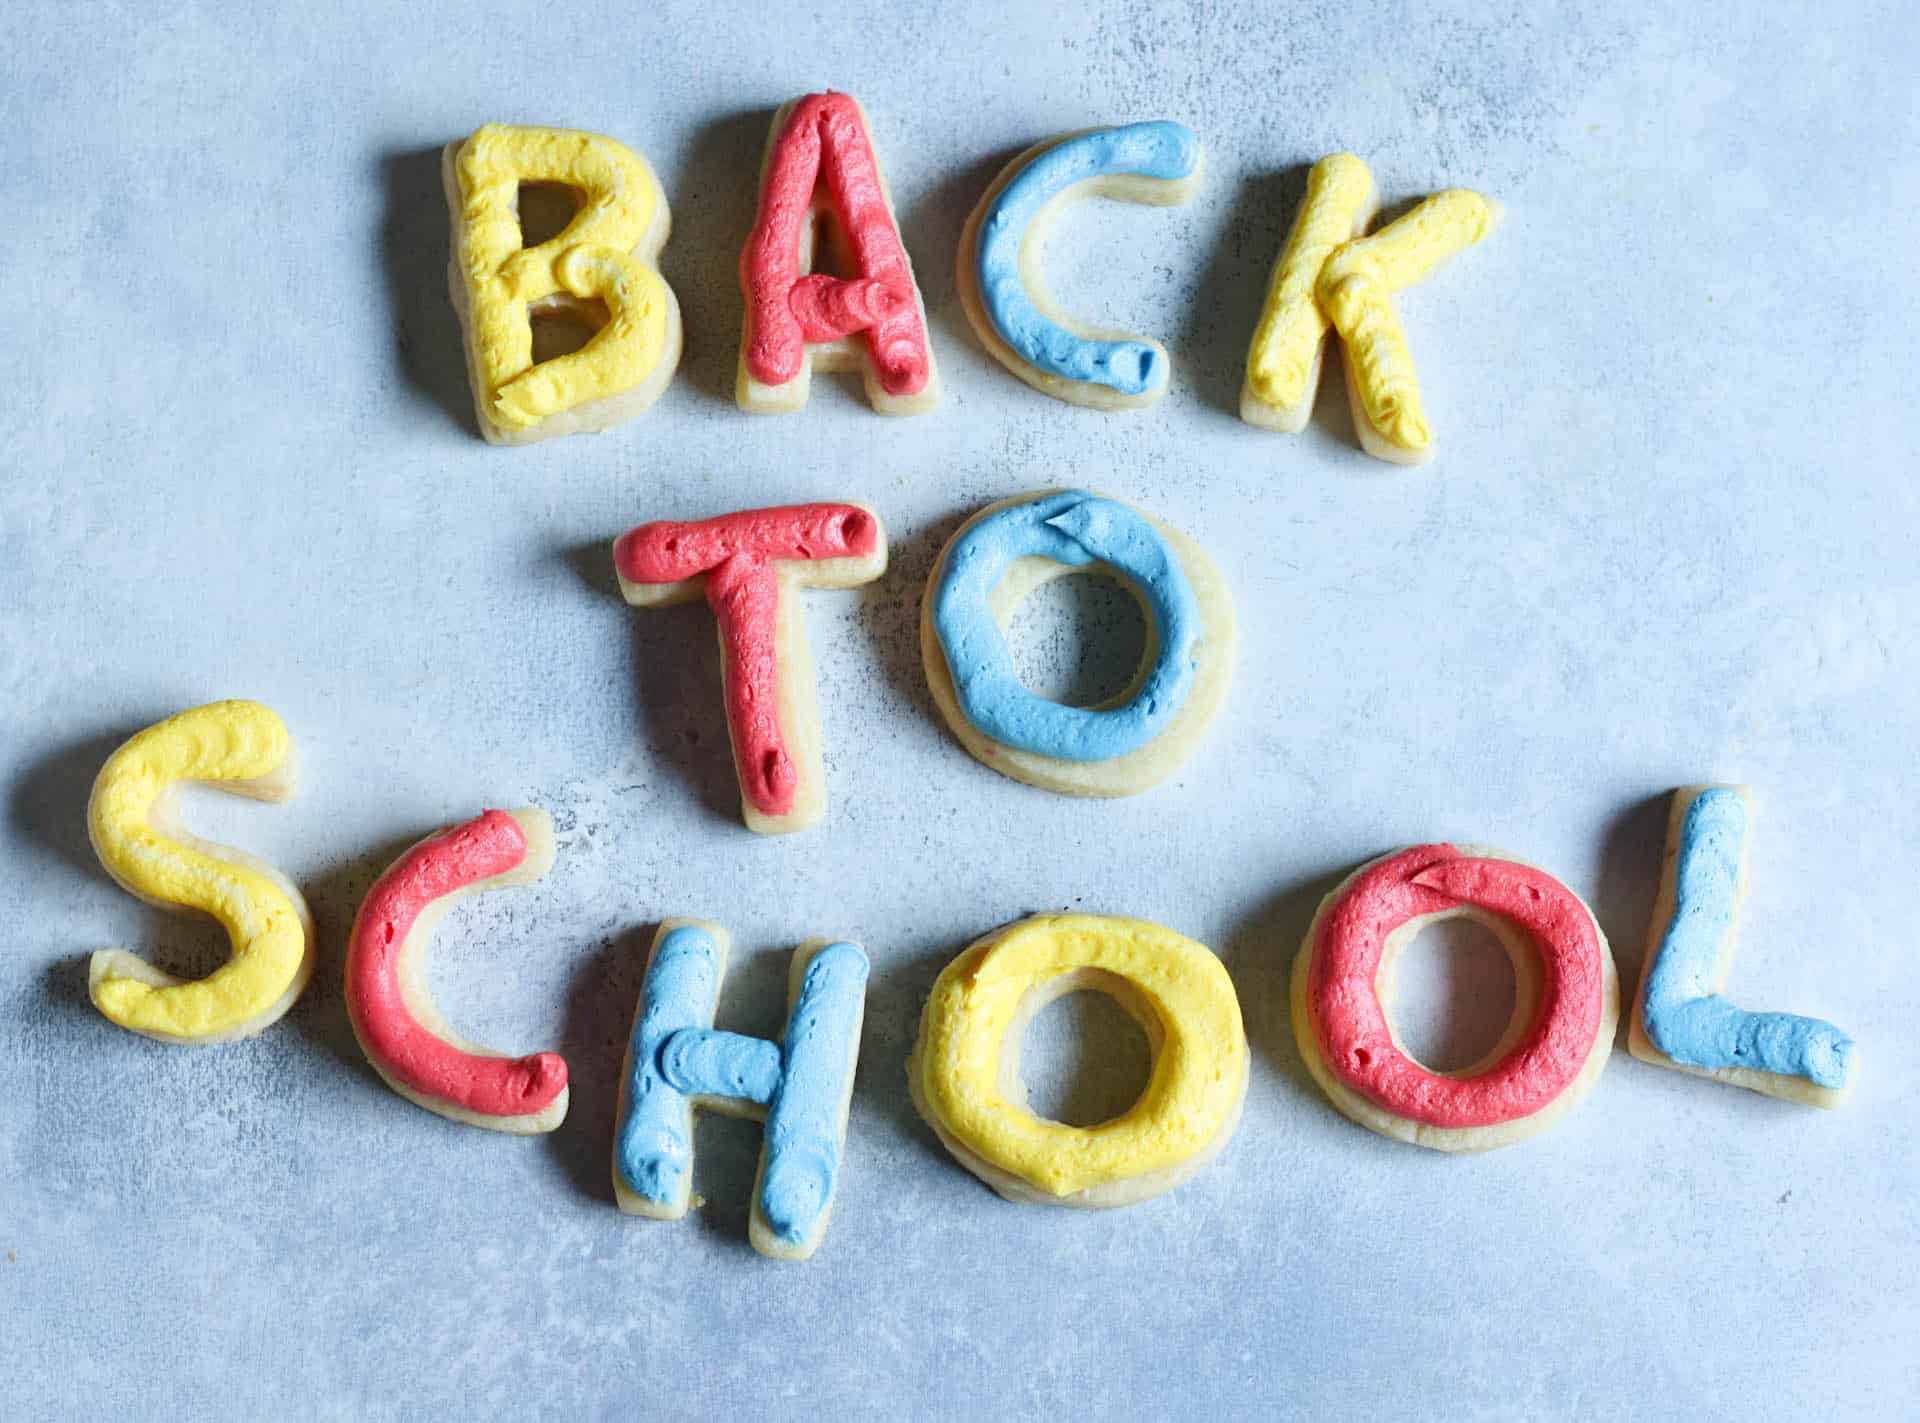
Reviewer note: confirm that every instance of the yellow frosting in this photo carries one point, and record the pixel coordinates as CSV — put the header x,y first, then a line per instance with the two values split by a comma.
x,y
1286,343
592,258
1198,1067
1353,289
1378,357
237,744
1409,247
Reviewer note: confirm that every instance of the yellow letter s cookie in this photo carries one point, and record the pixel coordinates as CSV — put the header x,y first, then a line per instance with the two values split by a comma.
x,y
242,747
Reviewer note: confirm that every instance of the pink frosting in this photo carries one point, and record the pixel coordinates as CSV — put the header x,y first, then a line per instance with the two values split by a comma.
x,y
1351,1025
735,553
824,134
488,845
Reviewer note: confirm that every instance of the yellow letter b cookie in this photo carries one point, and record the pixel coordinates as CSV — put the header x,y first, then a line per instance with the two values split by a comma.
x,y
598,271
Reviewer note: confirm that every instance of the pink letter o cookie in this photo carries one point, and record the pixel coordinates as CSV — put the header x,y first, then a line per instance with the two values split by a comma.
x,y
1566,998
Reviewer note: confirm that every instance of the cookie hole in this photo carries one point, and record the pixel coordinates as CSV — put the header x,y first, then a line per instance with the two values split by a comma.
x,y
1113,266
191,958
562,331
1078,640
832,251
1084,1060
1453,995
726,1158
471,995
545,209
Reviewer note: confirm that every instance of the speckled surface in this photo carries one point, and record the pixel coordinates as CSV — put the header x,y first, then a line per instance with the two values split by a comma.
x,y
1669,538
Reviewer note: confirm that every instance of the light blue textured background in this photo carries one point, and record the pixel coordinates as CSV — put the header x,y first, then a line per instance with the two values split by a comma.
x,y
1669,538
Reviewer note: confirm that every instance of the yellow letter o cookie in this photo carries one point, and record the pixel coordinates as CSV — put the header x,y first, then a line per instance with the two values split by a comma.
x,y
965,1069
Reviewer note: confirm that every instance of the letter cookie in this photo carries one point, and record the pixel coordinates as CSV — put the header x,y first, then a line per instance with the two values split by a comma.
x,y
1129,744
801,1087
399,1026
598,272
1283,365
820,171
1566,998
1328,274
1681,1018
965,1070
1001,286
749,566
241,747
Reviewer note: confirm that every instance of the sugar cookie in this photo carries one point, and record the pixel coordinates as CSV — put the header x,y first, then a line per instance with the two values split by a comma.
x,y
1283,364
1681,1018
1001,283
1328,274
801,1086
600,271
399,1026
1354,289
236,746
749,566
1566,998
965,1069
819,170
1118,748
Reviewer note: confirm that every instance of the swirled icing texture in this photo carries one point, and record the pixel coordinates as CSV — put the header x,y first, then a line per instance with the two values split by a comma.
x,y
825,136
490,844
231,743
1292,325
1193,1087
677,1057
705,1062
1351,1024
654,1143
1074,528
1683,1015
1354,286
805,1130
591,258
1158,149
736,553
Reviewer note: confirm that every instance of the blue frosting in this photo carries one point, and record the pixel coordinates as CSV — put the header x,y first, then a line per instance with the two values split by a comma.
x,y
1683,1018
1074,528
677,1056
654,1142
700,1062
1150,150
804,1126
